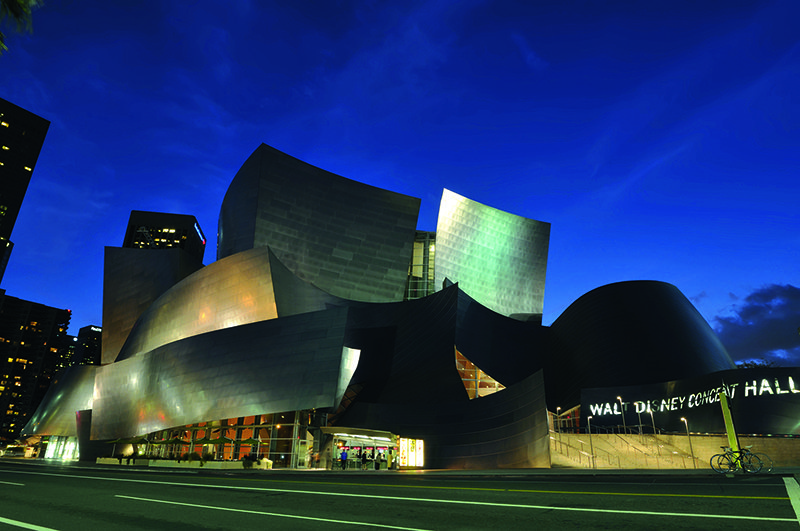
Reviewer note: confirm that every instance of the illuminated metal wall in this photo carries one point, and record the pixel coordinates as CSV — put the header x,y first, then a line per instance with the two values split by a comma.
x,y
228,293
132,280
298,362
349,239
498,258
70,393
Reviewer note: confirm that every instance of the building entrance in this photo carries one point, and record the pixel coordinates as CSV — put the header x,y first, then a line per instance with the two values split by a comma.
x,y
359,449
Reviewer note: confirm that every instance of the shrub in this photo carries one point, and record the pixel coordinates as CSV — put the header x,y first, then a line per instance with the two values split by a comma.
x,y
194,456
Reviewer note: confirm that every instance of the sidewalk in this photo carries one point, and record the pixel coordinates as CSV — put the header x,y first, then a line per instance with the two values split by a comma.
x,y
513,472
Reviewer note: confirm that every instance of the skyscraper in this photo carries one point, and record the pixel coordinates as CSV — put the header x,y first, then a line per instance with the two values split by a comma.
x,y
88,346
158,230
159,250
21,138
33,340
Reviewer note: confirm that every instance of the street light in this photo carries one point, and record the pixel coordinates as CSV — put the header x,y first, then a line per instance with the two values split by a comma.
x,y
622,411
654,429
641,436
558,430
691,450
591,446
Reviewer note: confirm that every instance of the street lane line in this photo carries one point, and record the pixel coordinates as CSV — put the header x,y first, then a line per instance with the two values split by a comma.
x,y
654,495
582,493
10,483
506,505
793,490
439,487
402,498
24,525
264,513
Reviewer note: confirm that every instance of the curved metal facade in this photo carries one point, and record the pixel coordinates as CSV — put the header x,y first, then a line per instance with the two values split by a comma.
x,y
303,307
71,392
349,239
299,362
637,331
504,430
132,280
498,258
228,293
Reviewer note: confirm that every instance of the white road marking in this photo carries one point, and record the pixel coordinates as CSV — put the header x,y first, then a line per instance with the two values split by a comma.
x,y
417,500
24,525
793,490
10,483
264,513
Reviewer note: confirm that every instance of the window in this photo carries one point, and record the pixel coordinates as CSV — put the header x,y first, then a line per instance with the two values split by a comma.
x,y
476,382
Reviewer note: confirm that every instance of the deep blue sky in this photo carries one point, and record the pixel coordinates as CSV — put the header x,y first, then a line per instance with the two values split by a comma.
x,y
659,138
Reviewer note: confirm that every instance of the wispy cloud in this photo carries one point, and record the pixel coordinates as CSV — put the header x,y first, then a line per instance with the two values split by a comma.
x,y
764,326
532,59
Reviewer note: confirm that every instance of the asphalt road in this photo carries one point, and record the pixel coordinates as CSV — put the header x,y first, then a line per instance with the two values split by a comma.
x,y
46,496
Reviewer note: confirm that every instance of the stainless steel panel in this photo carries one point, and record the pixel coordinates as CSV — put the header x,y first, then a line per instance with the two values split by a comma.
x,y
230,292
349,239
132,280
70,393
635,332
293,363
498,258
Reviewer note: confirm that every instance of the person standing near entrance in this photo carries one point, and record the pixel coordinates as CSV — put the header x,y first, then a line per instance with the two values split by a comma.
x,y
344,459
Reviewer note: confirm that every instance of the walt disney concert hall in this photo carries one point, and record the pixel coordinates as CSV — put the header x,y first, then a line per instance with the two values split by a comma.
x,y
329,322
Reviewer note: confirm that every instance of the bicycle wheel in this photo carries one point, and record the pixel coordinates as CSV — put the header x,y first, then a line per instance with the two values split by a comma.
x,y
722,463
767,462
751,464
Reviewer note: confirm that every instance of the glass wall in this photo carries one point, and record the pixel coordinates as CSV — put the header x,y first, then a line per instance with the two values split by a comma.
x,y
412,452
420,271
476,382
283,438
59,447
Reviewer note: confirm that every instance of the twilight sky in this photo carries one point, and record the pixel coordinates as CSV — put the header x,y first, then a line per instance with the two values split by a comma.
x,y
660,139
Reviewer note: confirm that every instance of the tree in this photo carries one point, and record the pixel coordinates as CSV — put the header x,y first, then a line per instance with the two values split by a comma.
x,y
19,14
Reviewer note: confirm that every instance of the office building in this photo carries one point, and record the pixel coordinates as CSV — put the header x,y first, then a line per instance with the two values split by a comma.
x,y
21,138
88,345
157,230
33,340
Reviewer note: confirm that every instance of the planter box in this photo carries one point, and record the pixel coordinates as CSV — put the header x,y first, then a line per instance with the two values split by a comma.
x,y
264,464
115,461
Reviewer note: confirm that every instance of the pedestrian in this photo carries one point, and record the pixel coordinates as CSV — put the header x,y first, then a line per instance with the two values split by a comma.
x,y
344,459
363,460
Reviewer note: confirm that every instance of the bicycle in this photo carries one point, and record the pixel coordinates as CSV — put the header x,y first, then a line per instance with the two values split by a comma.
x,y
731,461
766,460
